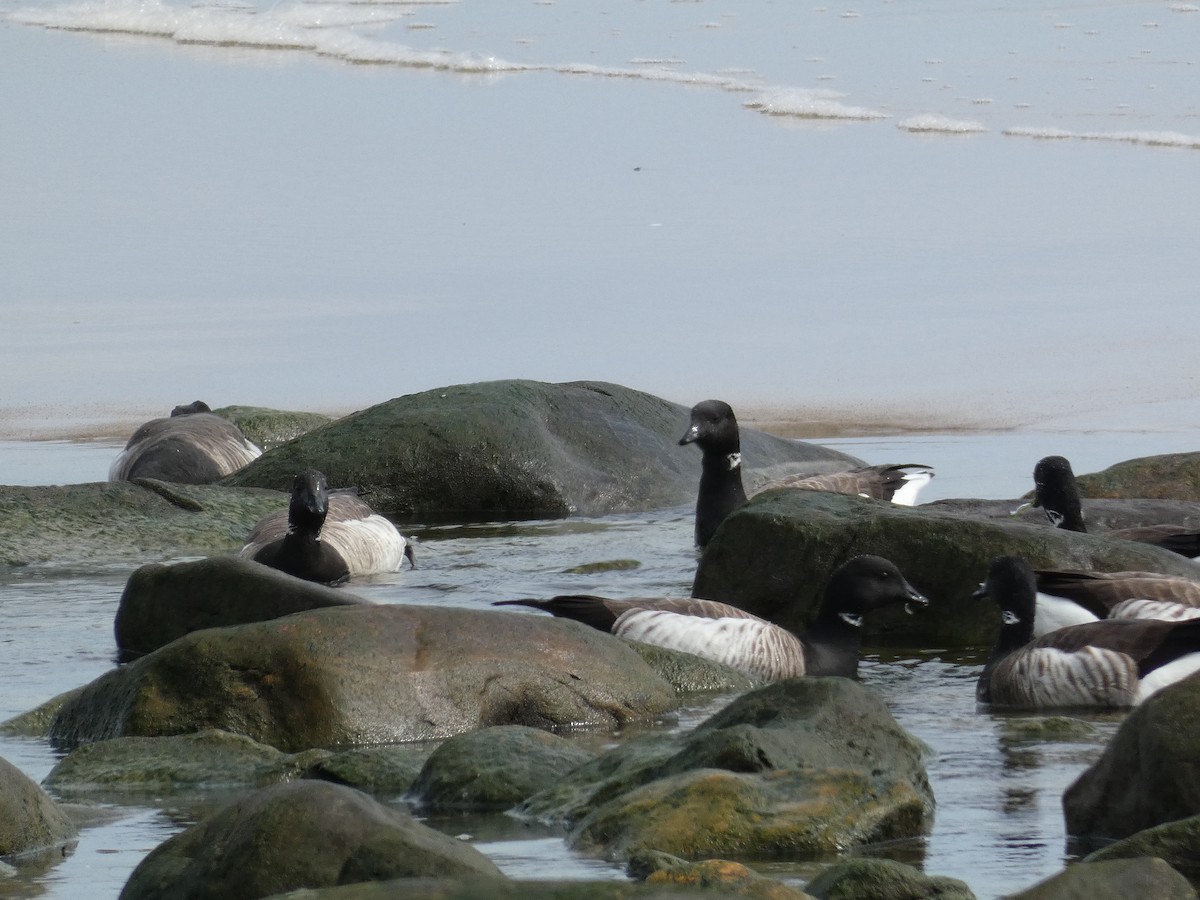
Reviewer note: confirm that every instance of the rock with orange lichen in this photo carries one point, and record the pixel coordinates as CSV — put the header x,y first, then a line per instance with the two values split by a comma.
x,y
726,876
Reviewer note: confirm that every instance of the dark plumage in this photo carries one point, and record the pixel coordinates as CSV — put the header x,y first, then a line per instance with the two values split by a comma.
x,y
191,446
1057,492
743,641
714,429
1110,663
326,536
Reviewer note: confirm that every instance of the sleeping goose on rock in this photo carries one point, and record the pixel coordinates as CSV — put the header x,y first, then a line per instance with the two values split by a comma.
x,y
1069,597
1109,663
714,429
191,446
1057,492
326,536
736,638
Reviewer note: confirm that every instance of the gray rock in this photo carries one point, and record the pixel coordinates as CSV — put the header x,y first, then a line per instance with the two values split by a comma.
x,y
31,824
206,760
360,675
485,889
269,428
1118,879
101,522
495,768
1100,515
506,449
163,602
306,834
1172,476
719,877
796,538
805,766
386,769
1149,773
1178,843
863,878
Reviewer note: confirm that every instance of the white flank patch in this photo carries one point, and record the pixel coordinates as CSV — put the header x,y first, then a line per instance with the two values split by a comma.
x,y
913,482
1092,676
1167,675
1052,613
369,546
1165,610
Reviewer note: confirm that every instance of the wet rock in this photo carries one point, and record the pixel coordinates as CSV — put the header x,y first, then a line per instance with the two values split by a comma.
x,y
719,876
36,722
796,538
1172,476
105,522
305,834
884,879
1042,729
387,769
517,449
1149,773
271,427
801,767
688,673
208,760
1178,843
163,602
482,889
360,675
495,768
1117,879
31,824
1101,515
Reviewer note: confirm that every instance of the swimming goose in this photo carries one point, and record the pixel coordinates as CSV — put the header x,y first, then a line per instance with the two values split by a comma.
x,y
736,638
326,536
192,446
1113,663
714,429
1057,492
1068,597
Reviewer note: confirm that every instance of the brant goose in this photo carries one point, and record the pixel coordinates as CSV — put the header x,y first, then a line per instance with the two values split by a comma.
x,y
714,430
1057,492
326,536
1113,663
1068,597
192,446
736,638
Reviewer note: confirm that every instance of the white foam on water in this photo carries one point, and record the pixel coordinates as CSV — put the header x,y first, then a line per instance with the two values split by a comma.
x,y
808,104
1147,138
932,122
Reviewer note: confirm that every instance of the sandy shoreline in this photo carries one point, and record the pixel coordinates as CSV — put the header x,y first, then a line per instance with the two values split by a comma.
x,y
111,423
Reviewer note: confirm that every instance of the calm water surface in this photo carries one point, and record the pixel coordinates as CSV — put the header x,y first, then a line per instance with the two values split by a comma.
x,y
998,824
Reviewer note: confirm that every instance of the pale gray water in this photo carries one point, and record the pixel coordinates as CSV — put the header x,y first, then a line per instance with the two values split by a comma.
x,y
998,824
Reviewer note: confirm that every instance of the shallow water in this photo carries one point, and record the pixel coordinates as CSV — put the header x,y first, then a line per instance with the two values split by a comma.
x,y
998,824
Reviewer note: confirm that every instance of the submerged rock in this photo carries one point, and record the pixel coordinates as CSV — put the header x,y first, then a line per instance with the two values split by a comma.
x,y
305,834
517,449
803,767
495,768
1177,842
357,675
718,877
31,824
796,538
1149,773
163,602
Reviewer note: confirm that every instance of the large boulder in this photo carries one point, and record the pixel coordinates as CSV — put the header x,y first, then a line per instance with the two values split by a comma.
x,y
163,602
1100,515
523,449
1117,879
1172,476
305,834
865,878
269,428
1177,842
805,767
370,674
30,822
1148,774
143,520
796,538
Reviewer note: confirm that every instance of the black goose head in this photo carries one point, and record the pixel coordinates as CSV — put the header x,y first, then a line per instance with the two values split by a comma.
x,y
1012,586
863,584
310,501
196,406
1056,491
713,428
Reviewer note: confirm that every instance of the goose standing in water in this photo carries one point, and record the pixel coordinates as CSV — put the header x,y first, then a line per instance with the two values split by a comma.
x,y
191,446
326,536
1056,491
740,640
1110,663
714,430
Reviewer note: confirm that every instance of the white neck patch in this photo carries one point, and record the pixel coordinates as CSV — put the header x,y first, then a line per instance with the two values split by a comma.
x,y
1010,618
734,460
851,619
1056,518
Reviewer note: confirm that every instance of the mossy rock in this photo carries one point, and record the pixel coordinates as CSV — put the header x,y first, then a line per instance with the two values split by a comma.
x,y
269,428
